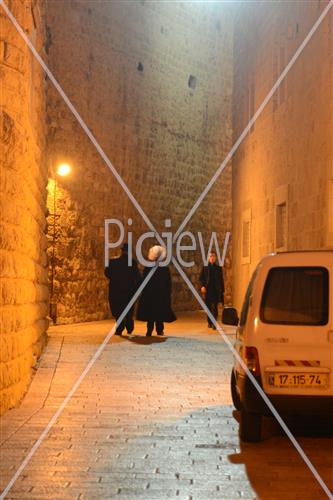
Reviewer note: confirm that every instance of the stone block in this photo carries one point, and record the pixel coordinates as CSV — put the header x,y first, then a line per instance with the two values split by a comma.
x,y
24,295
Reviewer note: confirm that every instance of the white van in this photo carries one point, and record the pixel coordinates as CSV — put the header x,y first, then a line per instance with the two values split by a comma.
x,y
285,337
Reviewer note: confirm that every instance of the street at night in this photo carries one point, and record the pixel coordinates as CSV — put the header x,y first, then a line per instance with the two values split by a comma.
x,y
166,249
153,419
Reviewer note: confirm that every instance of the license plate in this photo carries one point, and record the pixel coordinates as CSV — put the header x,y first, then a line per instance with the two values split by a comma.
x,y
295,380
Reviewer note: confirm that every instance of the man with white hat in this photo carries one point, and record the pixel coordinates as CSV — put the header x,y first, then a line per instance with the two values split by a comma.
x,y
155,301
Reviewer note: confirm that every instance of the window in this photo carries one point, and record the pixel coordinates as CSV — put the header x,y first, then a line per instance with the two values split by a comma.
x,y
246,237
281,225
281,217
295,296
192,82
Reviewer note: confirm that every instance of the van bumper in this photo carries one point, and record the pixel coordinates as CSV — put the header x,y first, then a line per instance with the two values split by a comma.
x,y
286,405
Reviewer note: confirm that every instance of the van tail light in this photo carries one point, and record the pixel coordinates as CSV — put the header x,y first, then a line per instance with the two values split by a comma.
x,y
252,360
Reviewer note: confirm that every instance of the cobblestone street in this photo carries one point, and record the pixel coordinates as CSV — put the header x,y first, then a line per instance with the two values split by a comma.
x,y
152,419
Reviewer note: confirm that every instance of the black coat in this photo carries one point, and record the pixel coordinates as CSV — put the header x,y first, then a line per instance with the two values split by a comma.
x,y
155,300
211,277
124,281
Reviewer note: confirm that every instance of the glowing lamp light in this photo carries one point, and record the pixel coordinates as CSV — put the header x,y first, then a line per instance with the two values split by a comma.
x,y
64,169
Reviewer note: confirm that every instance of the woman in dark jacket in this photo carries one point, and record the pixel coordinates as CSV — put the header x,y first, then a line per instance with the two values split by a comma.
x,y
155,301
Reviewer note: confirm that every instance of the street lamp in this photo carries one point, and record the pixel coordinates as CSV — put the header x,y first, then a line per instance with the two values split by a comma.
x,y
63,169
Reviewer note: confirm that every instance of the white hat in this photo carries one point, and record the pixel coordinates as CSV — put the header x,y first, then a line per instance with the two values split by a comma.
x,y
157,252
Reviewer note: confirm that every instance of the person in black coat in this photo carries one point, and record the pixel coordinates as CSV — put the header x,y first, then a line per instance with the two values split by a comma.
x,y
124,281
155,301
212,286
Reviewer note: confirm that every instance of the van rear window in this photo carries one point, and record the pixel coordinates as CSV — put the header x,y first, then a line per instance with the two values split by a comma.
x,y
295,296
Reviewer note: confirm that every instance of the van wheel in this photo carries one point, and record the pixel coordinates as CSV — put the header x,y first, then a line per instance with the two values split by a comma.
x,y
234,394
250,427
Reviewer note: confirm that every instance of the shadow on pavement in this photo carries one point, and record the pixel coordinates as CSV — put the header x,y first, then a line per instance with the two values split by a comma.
x,y
143,340
274,467
299,426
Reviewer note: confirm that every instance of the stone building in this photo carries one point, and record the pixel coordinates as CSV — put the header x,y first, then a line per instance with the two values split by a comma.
x,y
163,86
283,170
153,82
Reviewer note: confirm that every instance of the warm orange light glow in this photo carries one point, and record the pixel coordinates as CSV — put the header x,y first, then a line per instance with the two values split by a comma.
x,y
64,169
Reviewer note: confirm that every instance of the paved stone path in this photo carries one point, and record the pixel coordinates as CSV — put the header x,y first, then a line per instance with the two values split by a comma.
x,y
152,420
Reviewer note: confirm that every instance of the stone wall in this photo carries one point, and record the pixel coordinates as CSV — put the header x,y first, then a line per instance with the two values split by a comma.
x,y
23,266
282,173
153,82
